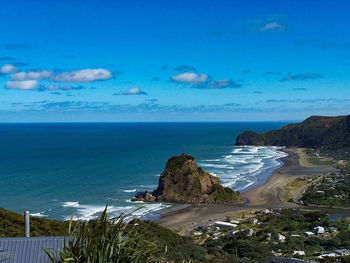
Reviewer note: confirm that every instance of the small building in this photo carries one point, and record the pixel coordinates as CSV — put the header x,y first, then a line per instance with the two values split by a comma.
x,y
198,233
298,253
254,221
224,224
29,249
319,230
281,238
308,233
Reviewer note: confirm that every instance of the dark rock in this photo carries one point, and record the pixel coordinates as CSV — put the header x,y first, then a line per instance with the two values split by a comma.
x,y
183,182
145,196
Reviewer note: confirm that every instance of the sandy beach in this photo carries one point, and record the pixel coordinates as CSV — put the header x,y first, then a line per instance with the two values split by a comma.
x,y
268,195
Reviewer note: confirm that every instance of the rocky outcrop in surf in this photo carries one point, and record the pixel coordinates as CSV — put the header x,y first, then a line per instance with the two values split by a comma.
x,y
182,181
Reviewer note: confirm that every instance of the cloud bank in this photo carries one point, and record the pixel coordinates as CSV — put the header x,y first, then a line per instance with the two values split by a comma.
x,y
131,91
8,69
84,75
189,78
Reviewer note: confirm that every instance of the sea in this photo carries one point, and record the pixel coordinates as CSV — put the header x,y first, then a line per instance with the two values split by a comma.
x,y
75,170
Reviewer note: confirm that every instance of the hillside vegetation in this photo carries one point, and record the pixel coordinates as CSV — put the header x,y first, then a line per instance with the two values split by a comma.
x,y
329,133
169,245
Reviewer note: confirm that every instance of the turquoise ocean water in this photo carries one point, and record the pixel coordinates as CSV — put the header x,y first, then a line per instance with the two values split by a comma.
x,y
64,170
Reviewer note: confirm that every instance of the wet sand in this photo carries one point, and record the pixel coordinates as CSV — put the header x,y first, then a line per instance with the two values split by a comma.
x,y
264,196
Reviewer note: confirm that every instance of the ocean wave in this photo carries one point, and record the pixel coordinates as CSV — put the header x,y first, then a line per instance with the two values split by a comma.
x,y
129,191
88,212
211,160
222,166
70,204
243,165
40,214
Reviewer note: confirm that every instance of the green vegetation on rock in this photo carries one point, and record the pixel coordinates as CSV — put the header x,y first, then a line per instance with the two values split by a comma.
x,y
182,181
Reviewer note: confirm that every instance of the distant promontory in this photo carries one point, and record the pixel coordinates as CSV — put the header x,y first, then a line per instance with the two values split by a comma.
x,y
315,132
182,181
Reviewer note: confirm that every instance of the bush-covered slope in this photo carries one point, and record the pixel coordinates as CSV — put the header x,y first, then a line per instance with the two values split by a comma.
x,y
170,246
314,132
12,225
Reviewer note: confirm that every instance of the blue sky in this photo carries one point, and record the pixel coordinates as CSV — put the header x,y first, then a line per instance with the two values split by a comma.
x,y
173,60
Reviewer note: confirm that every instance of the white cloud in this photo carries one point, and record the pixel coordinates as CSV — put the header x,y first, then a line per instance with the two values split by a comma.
x,y
132,91
84,75
22,84
32,75
190,78
271,26
8,69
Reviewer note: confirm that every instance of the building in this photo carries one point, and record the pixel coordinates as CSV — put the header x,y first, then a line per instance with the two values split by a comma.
x,y
224,224
298,253
281,238
319,230
308,233
29,249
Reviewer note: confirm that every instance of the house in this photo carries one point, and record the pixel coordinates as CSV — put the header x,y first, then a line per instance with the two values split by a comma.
x,y
308,233
198,233
236,222
29,249
254,221
224,224
263,212
319,230
281,238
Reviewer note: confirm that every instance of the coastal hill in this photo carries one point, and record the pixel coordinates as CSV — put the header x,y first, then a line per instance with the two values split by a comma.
x,y
315,132
182,181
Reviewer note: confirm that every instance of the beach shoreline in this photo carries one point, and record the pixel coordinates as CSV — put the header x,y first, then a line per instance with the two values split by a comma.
x,y
267,195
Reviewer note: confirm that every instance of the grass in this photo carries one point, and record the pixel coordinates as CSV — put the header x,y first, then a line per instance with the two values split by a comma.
x,y
316,160
289,191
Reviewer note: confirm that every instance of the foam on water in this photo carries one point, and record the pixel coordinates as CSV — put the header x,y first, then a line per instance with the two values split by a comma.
x,y
244,165
129,191
240,168
70,204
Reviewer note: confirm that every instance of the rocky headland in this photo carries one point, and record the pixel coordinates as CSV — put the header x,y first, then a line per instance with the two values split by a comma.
x,y
182,181
328,133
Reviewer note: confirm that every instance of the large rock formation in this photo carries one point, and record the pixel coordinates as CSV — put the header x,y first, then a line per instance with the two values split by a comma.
x,y
314,132
183,182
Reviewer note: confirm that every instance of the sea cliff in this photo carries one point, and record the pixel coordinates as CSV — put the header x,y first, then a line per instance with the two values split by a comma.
x,y
182,181
314,132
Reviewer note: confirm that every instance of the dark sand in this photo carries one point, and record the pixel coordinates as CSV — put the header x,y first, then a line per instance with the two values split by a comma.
x,y
263,196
